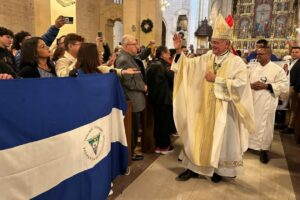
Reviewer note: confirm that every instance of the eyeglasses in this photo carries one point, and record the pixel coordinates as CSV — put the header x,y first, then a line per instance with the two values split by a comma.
x,y
134,44
216,42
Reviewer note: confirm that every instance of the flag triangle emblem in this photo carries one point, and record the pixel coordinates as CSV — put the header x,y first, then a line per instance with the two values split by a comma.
x,y
94,141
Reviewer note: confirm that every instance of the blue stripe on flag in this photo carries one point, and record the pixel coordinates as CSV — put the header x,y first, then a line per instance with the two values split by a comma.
x,y
85,185
35,109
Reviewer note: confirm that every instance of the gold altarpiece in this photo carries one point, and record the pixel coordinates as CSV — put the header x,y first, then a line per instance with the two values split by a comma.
x,y
274,20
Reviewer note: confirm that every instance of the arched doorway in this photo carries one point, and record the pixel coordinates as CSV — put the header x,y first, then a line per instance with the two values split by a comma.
x,y
118,33
113,32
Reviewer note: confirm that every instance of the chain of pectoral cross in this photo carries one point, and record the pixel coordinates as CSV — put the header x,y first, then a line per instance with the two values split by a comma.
x,y
217,66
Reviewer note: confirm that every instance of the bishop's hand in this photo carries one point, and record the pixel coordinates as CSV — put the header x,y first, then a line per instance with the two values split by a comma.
x,y
177,42
210,76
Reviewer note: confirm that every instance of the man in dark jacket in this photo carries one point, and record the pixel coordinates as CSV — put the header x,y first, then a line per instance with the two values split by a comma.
x,y
294,88
160,87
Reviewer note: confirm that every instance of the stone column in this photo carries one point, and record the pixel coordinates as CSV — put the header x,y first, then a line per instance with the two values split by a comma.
x,y
131,17
298,33
88,19
42,14
194,15
135,11
151,10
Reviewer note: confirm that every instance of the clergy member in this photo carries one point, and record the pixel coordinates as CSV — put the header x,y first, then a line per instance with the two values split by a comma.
x,y
268,81
213,108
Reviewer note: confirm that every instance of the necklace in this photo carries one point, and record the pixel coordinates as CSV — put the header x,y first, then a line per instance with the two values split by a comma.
x,y
44,67
216,66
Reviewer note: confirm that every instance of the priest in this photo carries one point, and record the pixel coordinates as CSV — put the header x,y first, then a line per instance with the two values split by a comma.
x,y
268,81
213,107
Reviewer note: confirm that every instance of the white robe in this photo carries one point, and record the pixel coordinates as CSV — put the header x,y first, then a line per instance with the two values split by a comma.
x,y
233,119
265,103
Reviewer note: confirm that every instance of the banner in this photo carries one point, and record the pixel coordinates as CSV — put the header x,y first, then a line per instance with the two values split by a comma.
x,y
61,138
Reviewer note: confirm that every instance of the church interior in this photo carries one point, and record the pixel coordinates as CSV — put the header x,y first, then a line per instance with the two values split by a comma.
x,y
156,22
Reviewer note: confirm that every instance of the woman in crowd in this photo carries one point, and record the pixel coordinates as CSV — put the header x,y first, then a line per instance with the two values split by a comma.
x,y
35,59
160,86
88,62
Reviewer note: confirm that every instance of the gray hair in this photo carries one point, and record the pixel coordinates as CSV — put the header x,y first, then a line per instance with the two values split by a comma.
x,y
126,39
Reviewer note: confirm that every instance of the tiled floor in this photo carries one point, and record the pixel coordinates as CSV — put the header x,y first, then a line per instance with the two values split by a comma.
x,y
259,181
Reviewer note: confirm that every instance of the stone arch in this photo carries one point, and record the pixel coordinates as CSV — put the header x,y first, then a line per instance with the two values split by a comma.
x,y
110,32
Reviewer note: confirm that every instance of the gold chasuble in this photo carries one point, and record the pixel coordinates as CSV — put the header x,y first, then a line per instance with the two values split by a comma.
x,y
214,119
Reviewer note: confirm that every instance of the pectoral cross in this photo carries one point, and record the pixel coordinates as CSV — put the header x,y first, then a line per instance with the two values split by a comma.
x,y
216,67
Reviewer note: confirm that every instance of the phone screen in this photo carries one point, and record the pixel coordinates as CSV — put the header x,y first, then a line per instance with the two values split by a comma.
x,y
68,20
99,34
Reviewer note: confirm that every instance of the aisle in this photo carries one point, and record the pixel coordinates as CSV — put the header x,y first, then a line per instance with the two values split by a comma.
x,y
259,181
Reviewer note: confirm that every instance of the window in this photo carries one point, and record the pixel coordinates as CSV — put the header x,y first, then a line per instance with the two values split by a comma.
x,y
118,1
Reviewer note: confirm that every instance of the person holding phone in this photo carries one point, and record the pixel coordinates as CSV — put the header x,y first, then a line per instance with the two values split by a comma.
x,y
103,48
65,64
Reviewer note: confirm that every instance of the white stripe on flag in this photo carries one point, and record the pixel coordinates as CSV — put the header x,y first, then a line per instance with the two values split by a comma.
x,y
31,169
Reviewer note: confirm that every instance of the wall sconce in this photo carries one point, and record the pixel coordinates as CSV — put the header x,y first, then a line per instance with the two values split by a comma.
x,y
133,28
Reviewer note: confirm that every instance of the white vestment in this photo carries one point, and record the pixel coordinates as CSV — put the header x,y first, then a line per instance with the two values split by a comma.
x,y
265,103
214,119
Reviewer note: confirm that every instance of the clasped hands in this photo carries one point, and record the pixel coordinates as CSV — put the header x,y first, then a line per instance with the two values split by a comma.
x,y
258,85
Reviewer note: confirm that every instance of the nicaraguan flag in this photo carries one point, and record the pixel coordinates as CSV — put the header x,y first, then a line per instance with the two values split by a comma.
x,y
61,138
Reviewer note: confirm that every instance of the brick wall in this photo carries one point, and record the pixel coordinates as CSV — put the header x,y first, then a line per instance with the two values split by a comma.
x,y
17,15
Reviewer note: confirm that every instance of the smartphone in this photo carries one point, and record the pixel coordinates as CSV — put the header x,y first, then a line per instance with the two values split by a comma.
x,y
100,34
69,20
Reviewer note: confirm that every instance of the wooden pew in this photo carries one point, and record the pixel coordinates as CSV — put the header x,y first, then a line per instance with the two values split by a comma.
x,y
128,129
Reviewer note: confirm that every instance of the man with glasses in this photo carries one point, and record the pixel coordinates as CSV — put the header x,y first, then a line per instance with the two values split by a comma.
x,y
65,64
268,81
134,86
213,108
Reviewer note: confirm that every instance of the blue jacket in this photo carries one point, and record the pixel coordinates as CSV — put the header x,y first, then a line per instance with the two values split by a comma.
x,y
253,56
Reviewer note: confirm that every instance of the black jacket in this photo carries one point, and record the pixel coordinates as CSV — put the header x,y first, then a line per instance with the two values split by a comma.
x,y
295,76
30,71
160,81
7,62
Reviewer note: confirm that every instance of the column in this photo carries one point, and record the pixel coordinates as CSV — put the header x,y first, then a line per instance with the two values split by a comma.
x,y
88,19
152,10
131,17
42,16
194,15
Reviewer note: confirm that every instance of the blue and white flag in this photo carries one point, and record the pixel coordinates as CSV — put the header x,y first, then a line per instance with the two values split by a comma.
x,y
61,138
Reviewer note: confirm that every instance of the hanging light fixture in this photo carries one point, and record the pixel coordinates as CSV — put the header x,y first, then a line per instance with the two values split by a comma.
x,y
66,3
164,5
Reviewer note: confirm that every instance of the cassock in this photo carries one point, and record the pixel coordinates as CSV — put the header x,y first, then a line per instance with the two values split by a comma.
x,y
214,119
266,102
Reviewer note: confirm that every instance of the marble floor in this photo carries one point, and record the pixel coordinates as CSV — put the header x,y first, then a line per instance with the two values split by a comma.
x,y
259,181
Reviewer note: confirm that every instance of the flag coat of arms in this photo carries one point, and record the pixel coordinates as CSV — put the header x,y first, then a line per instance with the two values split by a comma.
x,y
61,138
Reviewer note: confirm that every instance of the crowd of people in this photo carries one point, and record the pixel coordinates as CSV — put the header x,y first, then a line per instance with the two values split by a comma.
x,y
222,104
